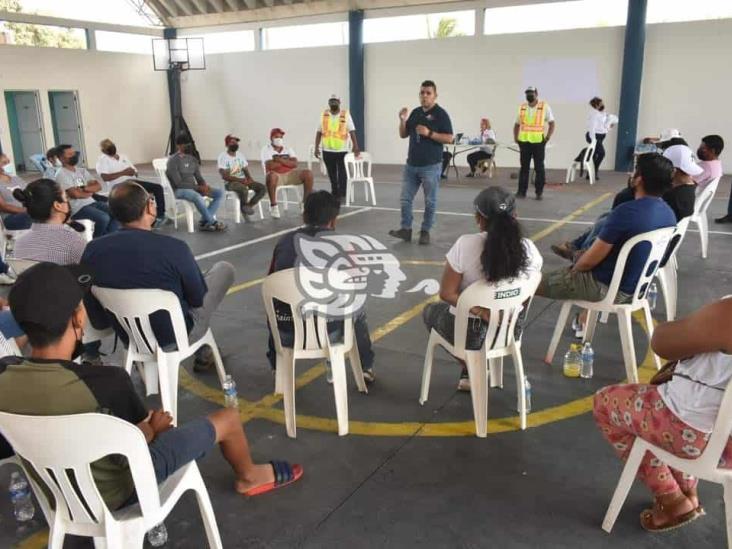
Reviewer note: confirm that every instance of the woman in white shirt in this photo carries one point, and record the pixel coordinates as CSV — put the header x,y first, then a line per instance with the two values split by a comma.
x,y
676,411
496,253
597,128
488,140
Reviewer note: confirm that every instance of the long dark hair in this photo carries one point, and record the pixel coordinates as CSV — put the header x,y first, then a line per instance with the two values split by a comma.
x,y
38,198
504,254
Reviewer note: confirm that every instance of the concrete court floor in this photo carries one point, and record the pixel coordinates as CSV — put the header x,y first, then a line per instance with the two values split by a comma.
x,y
416,476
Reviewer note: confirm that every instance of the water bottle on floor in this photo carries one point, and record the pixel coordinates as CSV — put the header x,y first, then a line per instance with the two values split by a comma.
x,y
527,396
20,496
158,535
652,295
572,361
588,358
231,399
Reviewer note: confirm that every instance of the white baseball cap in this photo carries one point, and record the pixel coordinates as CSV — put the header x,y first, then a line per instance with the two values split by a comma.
x,y
669,134
682,159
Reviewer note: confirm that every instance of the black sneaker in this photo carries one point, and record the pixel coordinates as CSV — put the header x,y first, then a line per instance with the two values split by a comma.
x,y
404,234
424,237
471,174
443,176
725,219
204,361
539,196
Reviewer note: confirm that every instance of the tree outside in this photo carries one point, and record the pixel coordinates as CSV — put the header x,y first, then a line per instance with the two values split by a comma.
x,y
25,34
446,28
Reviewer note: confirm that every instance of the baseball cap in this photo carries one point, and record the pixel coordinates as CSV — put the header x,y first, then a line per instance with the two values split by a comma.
x,y
682,159
334,97
276,131
493,201
669,134
47,294
230,138
531,89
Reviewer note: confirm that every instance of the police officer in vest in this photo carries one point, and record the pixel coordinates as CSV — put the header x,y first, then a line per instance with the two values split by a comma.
x,y
533,118
336,126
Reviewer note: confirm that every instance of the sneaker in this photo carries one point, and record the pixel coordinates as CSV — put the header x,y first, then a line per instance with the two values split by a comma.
x,y
539,196
204,361
215,227
471,174
725,219
443,176
274,211
369,376
404,234
424,238
464,383
92,360
564,250
6,279
247,210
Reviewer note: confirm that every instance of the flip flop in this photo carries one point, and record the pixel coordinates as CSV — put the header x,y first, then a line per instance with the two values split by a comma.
x,y
284,474
646,520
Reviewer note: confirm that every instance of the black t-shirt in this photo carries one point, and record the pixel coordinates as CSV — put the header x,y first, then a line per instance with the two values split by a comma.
x,y
424,151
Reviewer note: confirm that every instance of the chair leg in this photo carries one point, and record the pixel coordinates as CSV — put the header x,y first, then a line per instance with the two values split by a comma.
x,y
478,390
189,218
624,485
349,189
208,516
355,359
168,373
220,370
340,390
649,332
704,233
287,370
558,329
591,325
518,364
728,510
236,203
495,370
626,341
666,290
56,535
427,369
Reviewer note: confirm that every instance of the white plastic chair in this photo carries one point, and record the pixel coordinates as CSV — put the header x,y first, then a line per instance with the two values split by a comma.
x,y
705,467
175,204
667,272
311,341
282,190
701,205
232,197
132,309
51,445
6,239
586,161
505,301
312,158
88,225
358,170
658,240
19,265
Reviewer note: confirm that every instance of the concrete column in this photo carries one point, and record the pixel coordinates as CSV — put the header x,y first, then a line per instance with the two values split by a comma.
x,y
355,74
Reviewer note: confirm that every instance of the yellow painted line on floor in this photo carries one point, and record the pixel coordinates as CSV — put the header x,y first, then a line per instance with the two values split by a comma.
x,y
244,285
579,211
39,540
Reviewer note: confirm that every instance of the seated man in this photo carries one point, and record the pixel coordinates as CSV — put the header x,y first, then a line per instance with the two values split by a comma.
x,y
320,215
184,174
710,148
80,187
14,216
136,257
47,164
115,168
280,164
588,279
234,170
47,301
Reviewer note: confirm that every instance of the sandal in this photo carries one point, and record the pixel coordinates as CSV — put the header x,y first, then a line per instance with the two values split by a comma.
x,y
284,474
646,517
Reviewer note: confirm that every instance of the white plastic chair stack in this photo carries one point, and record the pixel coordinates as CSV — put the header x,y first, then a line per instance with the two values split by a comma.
x,y
667,271
705,467
132,309
282,190
586,161
314,159
174,204
505,301
658,240
358,170
51,446
311,341
701,205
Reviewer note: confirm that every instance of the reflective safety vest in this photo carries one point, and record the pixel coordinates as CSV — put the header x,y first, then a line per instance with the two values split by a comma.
x,y
334,130
531,128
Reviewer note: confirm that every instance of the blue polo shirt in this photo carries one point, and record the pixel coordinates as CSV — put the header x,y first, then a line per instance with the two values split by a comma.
x,y
627,220
424,151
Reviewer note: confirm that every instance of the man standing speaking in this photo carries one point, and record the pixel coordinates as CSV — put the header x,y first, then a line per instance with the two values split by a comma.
x,y
428,128
528,132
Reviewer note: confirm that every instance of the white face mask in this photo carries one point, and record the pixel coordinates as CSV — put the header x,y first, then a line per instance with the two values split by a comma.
x,y
278,141
9,169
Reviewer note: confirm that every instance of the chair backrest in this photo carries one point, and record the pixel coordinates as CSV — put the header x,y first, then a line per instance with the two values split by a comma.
x,y
705,197
658,240
504,299
311,332
160,165
358,168
60,450
19,265
133,308
676,238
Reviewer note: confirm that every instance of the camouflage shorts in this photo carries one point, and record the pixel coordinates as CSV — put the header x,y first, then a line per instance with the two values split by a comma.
x,y
582,286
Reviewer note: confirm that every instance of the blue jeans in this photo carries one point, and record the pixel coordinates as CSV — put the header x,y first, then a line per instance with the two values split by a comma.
x,y
208,213
429,178
17,222
585,240
8,326
98,212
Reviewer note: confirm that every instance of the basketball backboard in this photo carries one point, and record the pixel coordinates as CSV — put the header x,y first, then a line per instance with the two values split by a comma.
x,y
185,54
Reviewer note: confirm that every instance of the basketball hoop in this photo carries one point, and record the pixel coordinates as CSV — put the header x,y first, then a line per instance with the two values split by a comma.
x,y
178,54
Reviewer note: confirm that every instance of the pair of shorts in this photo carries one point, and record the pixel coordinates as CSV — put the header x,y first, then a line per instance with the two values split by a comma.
x,y
290,178
178,446
568,284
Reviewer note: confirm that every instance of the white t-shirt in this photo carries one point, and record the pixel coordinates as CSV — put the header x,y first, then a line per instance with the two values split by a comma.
x,y
110,164
350,127
548,114
269,151
596,122
233,164
464,258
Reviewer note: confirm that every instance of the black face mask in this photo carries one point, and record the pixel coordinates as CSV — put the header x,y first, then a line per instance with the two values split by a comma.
x,y
234,148
188,149
601,108
74,160
68,213
530,97
700,154
111,150
334,107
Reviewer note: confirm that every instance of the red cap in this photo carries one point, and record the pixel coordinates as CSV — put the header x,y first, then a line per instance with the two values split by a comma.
x,y
229,138
276,131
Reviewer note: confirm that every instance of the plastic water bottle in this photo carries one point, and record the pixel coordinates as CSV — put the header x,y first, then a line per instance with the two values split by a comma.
x,y
572,361
20,497
527,396
328,372
231,399
652,295
158,535
588,358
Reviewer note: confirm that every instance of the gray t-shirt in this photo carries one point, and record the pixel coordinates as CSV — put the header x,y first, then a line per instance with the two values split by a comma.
x,y
6,190
184,172
69,179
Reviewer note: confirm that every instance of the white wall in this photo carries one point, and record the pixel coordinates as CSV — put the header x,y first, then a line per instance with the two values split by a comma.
x,y
121,97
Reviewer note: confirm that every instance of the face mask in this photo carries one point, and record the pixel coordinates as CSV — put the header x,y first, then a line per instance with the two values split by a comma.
x,y
74,160
111,150
334,107
188,149
530,97
278,141
9,169
700,154
234,148
78,348
601,108
57,163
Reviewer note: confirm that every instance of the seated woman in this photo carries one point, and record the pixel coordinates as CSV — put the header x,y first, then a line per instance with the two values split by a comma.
x,y
14,215
676,413
496,253
488,140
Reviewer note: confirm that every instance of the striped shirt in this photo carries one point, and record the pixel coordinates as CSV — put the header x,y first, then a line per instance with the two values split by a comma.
x,y
58,244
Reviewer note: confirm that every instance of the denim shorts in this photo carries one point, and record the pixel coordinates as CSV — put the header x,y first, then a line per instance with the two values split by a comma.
x,y
174,448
